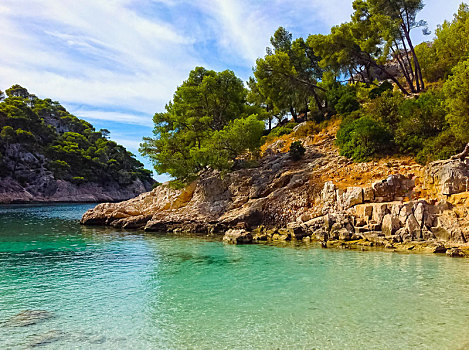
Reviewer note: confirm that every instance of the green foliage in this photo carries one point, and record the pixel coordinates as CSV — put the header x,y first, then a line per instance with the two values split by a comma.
x,y
73,149
456,90
282,130
379,30
442,146
362,139
379,90
286,79
421,119
450,47
225,145
296,151
205,125
78,180
24,136
347,103
385,109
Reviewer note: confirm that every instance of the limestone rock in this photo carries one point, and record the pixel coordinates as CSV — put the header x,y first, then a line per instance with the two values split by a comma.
x,y
350,197
28,318
413,227
237,237
390,224
394,186
448,176
455,253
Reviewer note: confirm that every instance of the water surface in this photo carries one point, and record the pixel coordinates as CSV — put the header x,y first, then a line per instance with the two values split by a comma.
x,y
110,289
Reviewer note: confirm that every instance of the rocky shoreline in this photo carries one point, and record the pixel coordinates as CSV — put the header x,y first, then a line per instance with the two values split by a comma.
x,y
49,190
411,208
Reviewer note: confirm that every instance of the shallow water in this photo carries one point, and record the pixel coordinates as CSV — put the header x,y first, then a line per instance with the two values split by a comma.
x,y
109,289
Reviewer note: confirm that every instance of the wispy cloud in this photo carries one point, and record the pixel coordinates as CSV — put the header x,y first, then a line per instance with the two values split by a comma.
x,y
121,60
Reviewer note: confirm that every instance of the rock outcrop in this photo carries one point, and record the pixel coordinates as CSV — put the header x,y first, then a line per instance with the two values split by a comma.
x,y
33,182
47,189
323,197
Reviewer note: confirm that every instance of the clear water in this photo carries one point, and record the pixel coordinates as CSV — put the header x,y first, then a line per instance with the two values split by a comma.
x,y
109,289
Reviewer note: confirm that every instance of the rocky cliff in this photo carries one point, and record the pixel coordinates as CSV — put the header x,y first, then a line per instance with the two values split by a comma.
x,y
48,154
394,202
26,178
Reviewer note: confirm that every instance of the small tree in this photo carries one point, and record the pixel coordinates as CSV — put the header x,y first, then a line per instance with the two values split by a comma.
x,y
297,150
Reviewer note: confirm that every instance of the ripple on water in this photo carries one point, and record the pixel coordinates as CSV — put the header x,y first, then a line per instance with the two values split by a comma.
x,y
112,289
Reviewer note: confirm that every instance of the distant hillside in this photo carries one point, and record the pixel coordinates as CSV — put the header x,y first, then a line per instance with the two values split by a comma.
x,y
47,154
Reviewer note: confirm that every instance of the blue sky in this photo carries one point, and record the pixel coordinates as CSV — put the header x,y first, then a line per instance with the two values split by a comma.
x,y
117,62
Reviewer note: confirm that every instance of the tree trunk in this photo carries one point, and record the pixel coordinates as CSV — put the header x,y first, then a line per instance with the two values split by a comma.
x,y
293,114
461,155
403,68
418,72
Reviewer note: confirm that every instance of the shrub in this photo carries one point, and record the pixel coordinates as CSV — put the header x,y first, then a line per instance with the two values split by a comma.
x,y
442,146
297,150
379,90
78,180
282,130
421,118
363,138
456,90
347,103
385,109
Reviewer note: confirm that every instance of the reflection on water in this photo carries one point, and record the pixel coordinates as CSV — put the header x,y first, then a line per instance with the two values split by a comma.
x,y
109,289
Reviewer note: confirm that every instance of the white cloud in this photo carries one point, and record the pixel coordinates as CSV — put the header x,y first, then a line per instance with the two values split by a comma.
x,y
102,53
126,118
130,55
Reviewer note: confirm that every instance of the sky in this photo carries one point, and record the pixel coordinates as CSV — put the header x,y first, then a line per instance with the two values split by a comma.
x,y
115,63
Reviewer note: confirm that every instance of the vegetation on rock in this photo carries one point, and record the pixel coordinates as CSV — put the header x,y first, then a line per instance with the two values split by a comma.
x,y
391,96
67,146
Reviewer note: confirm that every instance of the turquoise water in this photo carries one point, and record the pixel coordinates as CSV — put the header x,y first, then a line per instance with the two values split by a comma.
x,y
109,289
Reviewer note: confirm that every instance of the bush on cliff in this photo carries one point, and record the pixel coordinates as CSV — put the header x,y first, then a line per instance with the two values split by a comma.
x,y
71,147
363,138
456,90
297,150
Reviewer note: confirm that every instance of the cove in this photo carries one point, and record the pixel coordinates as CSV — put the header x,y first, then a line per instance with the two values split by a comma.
x,y
64,286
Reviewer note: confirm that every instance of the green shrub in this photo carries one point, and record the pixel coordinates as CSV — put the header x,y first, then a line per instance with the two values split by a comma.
x,y
347,103
456,90
379,90
282,130
421,118
297,150
442,146
78,180
385,109
363,138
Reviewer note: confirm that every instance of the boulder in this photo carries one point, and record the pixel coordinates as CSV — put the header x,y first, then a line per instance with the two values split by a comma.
x,y
237,237
447,177
413,227
440,249
455,253
390,225
393,186
350,197
379,211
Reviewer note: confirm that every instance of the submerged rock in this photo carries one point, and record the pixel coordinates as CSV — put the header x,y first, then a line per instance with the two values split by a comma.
x,y
46,338
28,318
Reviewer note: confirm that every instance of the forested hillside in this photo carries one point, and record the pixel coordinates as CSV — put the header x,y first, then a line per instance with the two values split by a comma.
x,y
41,143
391,96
